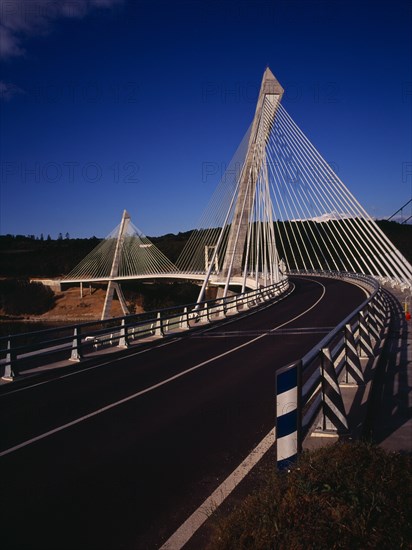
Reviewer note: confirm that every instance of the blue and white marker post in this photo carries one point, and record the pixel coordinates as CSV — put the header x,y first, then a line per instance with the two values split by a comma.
x,y
288,414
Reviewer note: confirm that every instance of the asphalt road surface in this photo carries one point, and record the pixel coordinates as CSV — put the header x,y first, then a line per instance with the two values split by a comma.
x,y
117,456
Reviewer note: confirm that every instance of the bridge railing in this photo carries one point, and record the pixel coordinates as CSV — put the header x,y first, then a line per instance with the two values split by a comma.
x,y
308,392
32,351
386,281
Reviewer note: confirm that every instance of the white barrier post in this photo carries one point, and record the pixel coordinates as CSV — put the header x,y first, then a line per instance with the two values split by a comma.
x,y
288,414
76,354
184,320
123,340
159,326
9,373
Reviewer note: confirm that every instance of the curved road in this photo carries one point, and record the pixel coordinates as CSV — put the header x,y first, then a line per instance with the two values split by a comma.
x,y
118,455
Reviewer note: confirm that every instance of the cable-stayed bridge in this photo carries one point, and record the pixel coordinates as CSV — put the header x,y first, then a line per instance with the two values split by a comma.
x,y
140,426
279,208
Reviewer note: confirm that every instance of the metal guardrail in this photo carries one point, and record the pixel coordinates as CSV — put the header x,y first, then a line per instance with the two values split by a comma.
x,y
394,282
22,352
308,391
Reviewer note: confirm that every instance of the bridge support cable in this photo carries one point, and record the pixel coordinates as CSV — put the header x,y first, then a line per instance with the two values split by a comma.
x,y
314,176
213,224
214,259
306,203
345,224
401,211
300,230
380,257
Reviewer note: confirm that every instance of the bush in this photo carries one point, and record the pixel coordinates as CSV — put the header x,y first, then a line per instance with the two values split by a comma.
x,y
23,297
163,295
343,496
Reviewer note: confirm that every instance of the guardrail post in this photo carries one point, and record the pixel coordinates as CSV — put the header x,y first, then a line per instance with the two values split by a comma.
x,y
224,309
374,329
76,354
124,339
288,390
220,310
365,346
184,319
353,369
249,302
159,326
333,409
379,309
233,304
202,313
10,367
207,312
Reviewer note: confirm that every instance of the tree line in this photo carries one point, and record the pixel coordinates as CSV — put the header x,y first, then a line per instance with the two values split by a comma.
x,y
29,256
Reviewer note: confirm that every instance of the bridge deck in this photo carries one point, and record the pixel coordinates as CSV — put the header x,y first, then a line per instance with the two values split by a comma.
x,y
214,280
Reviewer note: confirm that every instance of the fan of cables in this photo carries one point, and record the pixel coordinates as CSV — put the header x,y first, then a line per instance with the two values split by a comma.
x,y
280,206
137,255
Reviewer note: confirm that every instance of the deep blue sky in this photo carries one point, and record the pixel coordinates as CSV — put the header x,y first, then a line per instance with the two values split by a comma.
x,y
137,104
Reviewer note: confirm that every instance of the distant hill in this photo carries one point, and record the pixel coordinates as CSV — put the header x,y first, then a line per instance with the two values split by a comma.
x,y
26,256
22,256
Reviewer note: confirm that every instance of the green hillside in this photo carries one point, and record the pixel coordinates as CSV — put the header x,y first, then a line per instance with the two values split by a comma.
x,y
28,256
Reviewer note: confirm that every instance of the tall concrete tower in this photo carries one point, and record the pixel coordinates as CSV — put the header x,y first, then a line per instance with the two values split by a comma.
x,y
270,91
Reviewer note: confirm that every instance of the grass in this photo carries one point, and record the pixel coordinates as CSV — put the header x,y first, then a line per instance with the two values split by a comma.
x,y
349,495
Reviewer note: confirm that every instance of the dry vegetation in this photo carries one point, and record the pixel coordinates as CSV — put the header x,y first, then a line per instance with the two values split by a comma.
x,y
21,299
345,496
70,306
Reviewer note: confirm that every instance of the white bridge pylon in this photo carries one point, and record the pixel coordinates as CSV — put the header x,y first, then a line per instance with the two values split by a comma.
x,y
245,242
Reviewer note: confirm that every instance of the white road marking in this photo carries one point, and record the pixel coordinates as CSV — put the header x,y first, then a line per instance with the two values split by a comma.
x,y
205,510
155,386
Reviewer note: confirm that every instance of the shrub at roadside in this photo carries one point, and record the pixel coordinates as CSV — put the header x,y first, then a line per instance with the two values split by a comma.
x,y
24,297
344,496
